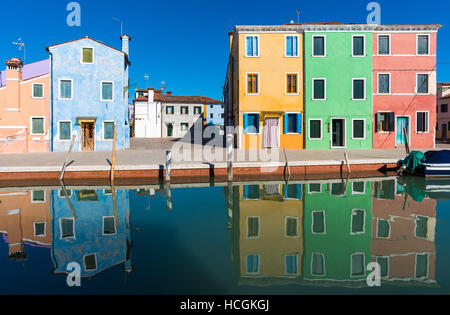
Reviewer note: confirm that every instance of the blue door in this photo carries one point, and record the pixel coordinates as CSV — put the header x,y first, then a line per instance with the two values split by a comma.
x,y
402,124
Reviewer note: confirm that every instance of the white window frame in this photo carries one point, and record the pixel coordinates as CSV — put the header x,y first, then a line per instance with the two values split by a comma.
x,y
285,227
103,226
364,46
286,82
324,87
351,264
344,130
364,223
63,195
181,126
259,123
59,128
31,126
38,201
43,91
71,89
314,192
323,266
285,265
378,44
101,91
364,129
353,89
309,129
428,265
45,229
61,231
259,264
247,227
93,55
428,121
324,46
324,222
245,46
96,262
417,81
415,226
389,235
395,122
285,43
103,129
246,83
357,192
378,83
417,45
388,269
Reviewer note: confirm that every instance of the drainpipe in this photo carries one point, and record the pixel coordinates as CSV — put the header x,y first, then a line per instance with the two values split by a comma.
x,y
51,100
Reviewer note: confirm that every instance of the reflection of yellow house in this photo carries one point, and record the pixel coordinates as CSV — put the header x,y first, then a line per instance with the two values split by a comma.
x,y
270,231
264,86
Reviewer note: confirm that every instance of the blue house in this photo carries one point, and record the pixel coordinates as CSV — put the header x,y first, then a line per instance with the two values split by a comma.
x,y
89,94
214,115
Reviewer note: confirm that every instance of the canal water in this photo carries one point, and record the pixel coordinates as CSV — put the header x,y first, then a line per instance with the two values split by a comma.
x,y
315,237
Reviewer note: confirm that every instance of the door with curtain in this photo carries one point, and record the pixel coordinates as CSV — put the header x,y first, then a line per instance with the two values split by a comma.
x,y
402,124
272,132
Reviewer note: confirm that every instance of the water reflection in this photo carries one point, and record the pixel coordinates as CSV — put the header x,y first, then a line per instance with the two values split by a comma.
x,y
300,234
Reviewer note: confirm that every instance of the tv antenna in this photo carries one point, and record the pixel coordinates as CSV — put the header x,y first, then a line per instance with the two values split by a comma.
x,y
21,45
298,15
121,24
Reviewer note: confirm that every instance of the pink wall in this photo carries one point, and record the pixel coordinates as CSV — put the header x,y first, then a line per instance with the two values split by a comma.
x,y
403,64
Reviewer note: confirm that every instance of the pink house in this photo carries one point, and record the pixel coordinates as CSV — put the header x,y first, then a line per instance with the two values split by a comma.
x,y
404,79
24,107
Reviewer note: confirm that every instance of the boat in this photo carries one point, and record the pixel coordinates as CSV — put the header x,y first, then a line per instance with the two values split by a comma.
x,y
431,164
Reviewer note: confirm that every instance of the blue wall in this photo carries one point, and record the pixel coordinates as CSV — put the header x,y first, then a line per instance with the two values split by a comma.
x,y
109,65
217,112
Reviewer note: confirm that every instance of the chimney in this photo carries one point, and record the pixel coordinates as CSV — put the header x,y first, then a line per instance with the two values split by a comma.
x,y
169,93
14,69
13,79
125,43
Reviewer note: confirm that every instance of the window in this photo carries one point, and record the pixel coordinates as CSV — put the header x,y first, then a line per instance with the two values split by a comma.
x,y
252,46
65,130
359,129
37,125
318,222
107,91
291,227
184,126
315,129
319,46
211,115
383,228
90,262
62,194
291,83
292,191
293,123
222,115
421,265
291,46
358,187
65,89
291,264
252,264
197,110
444,108
422,122
39,229
38,90
253,227
384,45
251,123
252,83
385,122
169,110
251,192
315,188
385,190
359,89
109,225
384,84
421,227
88,55
358,221
67,228
108,130
319,92
338,189
358,46
422,83
384,266
423,44
38,196
184,110
358,265
318,264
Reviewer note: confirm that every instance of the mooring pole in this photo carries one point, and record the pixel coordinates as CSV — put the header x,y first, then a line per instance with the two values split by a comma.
x,y
168,165
287,167
61,176
168,197
348,164
230,156
406,142
113,163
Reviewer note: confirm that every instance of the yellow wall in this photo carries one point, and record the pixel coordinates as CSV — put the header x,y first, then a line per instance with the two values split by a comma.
x,y
272,66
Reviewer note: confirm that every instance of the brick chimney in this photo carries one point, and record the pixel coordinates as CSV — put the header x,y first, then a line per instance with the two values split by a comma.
x,y
169,93
13,79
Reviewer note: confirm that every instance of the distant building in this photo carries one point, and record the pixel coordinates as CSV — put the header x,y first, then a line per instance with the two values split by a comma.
x,y
24,99
215,116
443,114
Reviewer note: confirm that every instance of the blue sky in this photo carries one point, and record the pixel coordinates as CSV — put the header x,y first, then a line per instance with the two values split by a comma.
x,y
185,42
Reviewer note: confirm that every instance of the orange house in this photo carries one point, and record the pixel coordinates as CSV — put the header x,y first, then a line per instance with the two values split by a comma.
x,y
24,107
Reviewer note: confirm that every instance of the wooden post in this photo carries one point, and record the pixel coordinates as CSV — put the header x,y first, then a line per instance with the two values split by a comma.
x,y
168,197
113,163
66,195
406,141
287,167
113,190
168,165
230,156
61,176
348,164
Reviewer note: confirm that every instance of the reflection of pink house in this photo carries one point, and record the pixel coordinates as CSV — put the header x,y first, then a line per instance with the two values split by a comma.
x,y
24,107
404,83
403,240
25,219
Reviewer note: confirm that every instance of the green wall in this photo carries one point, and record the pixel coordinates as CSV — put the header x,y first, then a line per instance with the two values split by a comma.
x,y
338,67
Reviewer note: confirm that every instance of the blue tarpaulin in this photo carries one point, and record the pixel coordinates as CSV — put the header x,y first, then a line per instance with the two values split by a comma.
x,y
437,157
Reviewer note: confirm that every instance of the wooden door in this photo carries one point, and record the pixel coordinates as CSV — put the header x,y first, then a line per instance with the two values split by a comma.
x,y
88,130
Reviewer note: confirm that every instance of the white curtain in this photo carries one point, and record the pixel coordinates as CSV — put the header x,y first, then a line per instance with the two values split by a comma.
x,y
272,133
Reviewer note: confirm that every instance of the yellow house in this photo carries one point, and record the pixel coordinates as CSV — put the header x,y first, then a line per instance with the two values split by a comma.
x,y
264,87
269,243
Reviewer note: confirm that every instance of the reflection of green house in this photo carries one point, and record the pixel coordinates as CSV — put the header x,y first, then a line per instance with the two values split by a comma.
x,y
337,232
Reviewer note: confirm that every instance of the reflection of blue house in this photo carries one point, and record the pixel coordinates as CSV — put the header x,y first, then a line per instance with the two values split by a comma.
x,y
89,95
89,231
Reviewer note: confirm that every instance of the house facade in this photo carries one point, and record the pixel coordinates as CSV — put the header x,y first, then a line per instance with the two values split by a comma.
x,y
214,115
89,84
404,84
24,99
443,114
